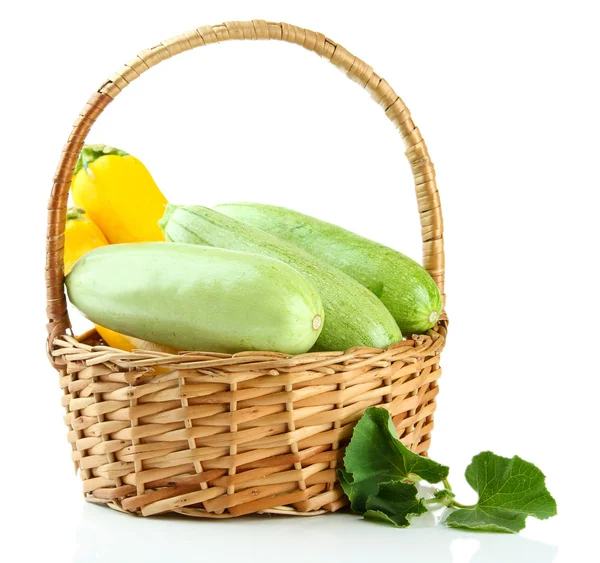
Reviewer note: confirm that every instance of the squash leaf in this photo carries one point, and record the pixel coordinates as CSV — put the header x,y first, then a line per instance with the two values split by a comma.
x,y
510,489
380,473
395,503
375,455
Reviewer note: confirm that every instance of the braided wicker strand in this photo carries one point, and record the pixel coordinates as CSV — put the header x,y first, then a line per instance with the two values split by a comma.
x,y
220,435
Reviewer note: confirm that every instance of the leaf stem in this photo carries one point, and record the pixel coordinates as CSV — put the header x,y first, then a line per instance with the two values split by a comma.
x,y
447,485
455,504
450,503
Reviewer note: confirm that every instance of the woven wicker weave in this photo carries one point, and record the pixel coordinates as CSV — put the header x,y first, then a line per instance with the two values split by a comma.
x,y
219,435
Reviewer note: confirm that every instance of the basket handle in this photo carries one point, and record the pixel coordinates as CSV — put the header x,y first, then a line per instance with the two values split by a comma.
x,y
416,150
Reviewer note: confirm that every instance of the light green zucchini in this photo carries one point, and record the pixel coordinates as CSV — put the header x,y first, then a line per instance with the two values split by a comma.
x,y
353,315
197,298
403,286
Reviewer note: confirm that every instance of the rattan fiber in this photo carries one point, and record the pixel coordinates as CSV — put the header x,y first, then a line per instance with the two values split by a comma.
x,y
218,435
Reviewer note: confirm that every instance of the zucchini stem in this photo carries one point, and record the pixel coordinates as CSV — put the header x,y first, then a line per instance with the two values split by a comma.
x,y
74,213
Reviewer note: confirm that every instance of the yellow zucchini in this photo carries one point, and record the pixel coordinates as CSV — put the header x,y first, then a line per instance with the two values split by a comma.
x,y
81,236
119,194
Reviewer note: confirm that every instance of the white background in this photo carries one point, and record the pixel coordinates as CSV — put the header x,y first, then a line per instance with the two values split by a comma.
x,y
505,94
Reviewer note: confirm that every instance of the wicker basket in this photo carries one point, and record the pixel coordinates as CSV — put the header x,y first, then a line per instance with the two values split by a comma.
x,y
219,435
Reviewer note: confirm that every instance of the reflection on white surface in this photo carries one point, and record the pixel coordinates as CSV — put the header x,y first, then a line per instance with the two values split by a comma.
x,y
106,535
463,549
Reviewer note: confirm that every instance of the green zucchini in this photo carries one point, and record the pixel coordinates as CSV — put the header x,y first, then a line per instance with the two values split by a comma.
x,y
353,315
403,286
197,298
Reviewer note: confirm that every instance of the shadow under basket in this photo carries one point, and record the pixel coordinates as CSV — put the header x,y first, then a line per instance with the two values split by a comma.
x,y
220,435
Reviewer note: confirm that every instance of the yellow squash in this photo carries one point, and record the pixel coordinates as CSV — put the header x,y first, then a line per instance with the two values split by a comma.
x,y
81,236
119,195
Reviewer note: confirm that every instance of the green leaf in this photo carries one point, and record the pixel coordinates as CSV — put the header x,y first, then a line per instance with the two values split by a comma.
x,y
509,491
375,456
347,483
395,502
382,517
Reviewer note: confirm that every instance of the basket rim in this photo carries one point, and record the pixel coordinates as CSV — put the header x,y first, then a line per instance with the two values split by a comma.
x,y
68,347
